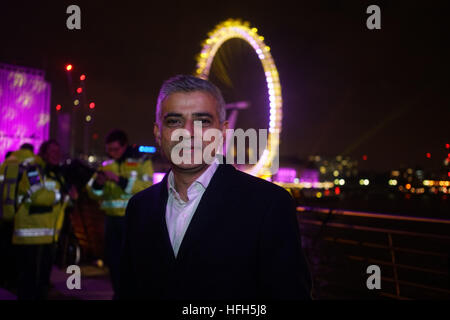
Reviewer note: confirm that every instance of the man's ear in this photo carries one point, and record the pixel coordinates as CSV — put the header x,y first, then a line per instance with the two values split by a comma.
x,y
157,133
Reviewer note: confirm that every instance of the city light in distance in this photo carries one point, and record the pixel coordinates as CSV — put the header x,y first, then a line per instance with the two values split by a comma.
x,y
92,105
82,77
393,182
364,182
69,67
441,183
58,107
79,90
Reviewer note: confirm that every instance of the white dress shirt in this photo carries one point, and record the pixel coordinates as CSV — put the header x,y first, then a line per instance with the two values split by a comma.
x,y
178,212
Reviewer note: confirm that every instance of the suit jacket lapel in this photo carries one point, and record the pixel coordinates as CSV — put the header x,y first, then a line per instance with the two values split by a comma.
x,y
161,220
213,200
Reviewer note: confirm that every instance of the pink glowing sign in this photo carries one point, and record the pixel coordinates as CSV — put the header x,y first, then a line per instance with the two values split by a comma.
x,y
24,108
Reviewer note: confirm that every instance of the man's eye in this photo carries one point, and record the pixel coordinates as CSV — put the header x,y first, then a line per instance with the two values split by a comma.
x,y
172,122
205,121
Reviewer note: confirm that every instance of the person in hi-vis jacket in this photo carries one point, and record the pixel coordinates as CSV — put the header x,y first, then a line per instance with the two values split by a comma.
x,y
42,197
113,185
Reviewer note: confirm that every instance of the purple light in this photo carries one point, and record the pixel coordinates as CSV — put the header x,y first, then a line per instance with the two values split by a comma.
x,y
24,108
310,176
158,176
106,162
286,175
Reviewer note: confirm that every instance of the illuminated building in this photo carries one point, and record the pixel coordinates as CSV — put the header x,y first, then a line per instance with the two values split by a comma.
x,y
332,168
24,108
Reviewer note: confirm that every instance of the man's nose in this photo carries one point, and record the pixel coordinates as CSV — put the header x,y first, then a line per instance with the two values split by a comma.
x,y
190,127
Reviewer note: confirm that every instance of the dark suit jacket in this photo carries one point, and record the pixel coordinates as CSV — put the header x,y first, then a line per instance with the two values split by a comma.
x,y
242,243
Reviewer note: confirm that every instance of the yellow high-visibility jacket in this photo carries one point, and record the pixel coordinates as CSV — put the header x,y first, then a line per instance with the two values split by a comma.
x,y
136,175
40,205
10,173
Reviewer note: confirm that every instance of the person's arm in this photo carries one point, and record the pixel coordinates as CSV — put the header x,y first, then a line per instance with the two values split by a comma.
x,y
95,185
128,282
283,269
142,179
145,179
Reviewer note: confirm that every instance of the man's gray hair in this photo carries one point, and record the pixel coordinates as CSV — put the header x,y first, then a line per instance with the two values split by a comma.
x,y
187,83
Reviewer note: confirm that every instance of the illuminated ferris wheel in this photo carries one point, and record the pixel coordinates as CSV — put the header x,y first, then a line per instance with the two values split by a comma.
x,y
230,29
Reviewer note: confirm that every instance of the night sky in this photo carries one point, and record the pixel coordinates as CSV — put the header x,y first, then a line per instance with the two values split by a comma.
x,y
346,89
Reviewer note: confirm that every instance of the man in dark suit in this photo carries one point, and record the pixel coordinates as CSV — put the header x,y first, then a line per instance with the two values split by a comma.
x,y
209,231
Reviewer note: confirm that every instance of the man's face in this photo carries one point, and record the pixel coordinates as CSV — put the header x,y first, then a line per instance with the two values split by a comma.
x,y
53,154
179,111
115,150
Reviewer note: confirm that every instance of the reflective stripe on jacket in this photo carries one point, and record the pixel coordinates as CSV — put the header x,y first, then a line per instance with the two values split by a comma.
x,y
113,199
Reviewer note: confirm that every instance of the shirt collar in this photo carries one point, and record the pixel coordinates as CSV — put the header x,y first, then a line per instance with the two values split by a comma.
x,y
202,181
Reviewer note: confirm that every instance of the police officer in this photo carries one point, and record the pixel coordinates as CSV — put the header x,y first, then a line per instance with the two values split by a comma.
x,y
42,198
114,183
9,174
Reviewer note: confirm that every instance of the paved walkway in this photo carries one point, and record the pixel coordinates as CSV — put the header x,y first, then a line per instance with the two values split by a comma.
x,y
95,285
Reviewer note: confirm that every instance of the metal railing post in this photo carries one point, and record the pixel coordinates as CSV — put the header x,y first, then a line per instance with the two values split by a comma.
x,y
394,265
